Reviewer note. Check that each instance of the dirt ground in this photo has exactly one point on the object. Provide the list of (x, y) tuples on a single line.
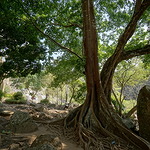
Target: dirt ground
[(43, 125), (43, 129)]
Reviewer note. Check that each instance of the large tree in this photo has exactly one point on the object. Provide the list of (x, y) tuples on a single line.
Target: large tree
[(95, 117), (95, 114)]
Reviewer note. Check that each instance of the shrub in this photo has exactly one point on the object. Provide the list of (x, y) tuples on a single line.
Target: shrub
[(1, 94), (18, 96), (12, 101), (44, 101)]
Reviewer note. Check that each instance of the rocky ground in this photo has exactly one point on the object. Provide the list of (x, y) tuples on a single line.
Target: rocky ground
[(26, 127)]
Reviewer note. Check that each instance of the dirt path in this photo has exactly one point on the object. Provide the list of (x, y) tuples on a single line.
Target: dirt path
[(43, 128)]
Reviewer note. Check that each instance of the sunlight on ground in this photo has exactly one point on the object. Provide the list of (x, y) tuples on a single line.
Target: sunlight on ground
[(70, 146), (32, 138)]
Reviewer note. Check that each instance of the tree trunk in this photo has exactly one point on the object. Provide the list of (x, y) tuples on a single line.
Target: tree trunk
[(95, 122)]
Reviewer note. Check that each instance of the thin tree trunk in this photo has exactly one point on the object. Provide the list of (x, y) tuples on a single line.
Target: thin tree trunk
[(73, 91), (57, 97), (61, 96), (66, 94), (131, 112)]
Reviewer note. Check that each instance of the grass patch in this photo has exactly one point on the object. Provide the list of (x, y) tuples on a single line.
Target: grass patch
[(129, 104)]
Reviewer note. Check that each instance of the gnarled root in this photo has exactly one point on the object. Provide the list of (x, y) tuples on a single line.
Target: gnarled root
[(100, 130)]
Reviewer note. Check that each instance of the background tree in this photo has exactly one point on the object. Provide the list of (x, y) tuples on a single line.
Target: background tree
[(128, 73), (32, 84)]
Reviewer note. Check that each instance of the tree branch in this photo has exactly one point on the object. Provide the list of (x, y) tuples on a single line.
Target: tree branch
[(69, 25), (125, 55), (54, 41), (46, 35), (130, 29), (111, 63)]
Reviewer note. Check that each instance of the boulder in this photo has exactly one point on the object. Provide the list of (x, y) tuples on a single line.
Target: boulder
[(143, 112), (48, 140), (21, 122)]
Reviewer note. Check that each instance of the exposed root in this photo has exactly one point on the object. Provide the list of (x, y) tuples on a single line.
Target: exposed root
[(86, 136), (95, 126), (91, 133)]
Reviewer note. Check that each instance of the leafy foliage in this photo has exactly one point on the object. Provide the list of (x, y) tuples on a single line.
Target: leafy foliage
[(80, 91), (146, 60), (129, 73), (66, 70), (20, 46), (32, 82)]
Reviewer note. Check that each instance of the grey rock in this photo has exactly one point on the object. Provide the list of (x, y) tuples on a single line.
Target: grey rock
[(21, 122), (143, 112), (47, 139)]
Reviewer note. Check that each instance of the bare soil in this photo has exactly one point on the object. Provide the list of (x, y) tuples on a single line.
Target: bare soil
[(42, 118)]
